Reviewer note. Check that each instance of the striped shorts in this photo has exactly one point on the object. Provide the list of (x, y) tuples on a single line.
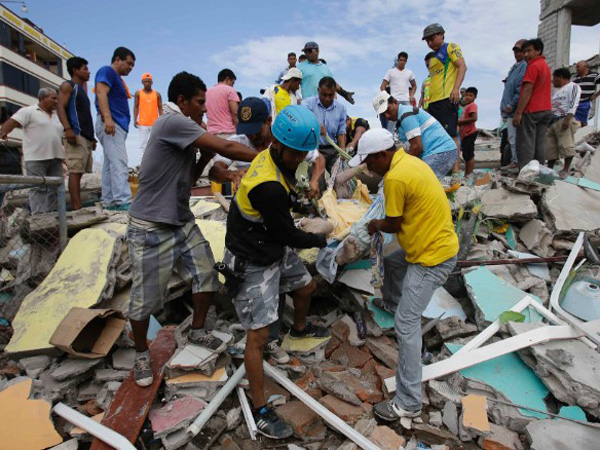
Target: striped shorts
[(155, 250)]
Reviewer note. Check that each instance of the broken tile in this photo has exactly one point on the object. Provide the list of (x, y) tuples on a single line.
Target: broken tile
[(82, 276), (359, 279), (349, 356), (383, 319), (501, 373), (175, 415), (474, 414), (197, 384), (558, 434), (450, 417), (504, 204), (491, 296), (350, 388), (25, 423), (192, 357)]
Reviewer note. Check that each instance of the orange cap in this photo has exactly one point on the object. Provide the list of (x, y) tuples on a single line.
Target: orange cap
[(146, 76)]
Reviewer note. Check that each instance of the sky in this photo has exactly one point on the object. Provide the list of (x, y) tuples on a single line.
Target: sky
[(358, 38)]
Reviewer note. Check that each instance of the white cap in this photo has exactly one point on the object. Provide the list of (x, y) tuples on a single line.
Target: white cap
[(380, 102), (292, 73), (374, 140)]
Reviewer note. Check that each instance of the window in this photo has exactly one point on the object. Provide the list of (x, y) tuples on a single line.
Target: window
[(30, 49), (7, 109), (17, 79)]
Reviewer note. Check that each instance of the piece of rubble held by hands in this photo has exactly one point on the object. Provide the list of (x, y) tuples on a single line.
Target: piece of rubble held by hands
[(349, 252), (317, 226)]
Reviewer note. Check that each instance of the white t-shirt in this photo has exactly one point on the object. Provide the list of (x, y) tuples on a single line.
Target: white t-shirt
[(399, 83), (310, 158), (565, 100), (42, 134)]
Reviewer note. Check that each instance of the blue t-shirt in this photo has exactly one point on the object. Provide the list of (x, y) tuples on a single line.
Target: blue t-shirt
[(433, 136), (117, 96), (311, 75)]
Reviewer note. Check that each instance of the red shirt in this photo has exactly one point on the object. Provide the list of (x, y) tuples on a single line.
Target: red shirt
[(469, 128), (539, 74)]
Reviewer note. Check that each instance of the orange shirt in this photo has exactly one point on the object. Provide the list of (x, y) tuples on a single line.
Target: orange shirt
[(148, 111)]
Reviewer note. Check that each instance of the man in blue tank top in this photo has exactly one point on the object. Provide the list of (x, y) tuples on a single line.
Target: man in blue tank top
[(76, 117)]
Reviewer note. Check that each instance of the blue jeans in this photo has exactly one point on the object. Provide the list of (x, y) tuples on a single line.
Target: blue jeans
[(407, 289), (441, 163), (115, 171)]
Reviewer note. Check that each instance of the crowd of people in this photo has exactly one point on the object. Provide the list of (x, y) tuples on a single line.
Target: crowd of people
[(257, 143)]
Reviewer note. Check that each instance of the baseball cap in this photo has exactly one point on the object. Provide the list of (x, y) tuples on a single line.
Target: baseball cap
[(252, 112), (374, 140), (146, 76), (311, 45), (380, 102), (292, 73), (432, 29)]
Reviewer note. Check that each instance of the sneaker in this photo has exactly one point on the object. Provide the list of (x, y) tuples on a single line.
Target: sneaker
[(270, 425), (277, 353), (508, 167), (142, 372), (122, 207), (388, 411), (310, 331), (205, 339)]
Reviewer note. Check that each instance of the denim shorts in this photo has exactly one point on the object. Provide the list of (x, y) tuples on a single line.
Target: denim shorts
[(441, 163)]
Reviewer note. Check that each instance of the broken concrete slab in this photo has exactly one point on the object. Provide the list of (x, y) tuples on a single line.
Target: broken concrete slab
[(349, 356), (500, 438), (445, 305), (83, 275), (504, 204), (196, 384), (435, 418), (537, 237), (385, 350), (491, 296), (345, 329), (70, 368), (175, 415), (35, 365), (560, 434), (123, 358), (454, 328), (569, 368), (306, 424), (25, 423), (105, 375), (450, 417), (193, 357), (570, 208)]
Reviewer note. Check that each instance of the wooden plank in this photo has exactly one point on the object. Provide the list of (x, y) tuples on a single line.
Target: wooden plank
[(131, 404)]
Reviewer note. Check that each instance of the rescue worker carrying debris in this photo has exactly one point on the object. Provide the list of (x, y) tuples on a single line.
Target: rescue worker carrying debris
[(417, 210), (259, 241)]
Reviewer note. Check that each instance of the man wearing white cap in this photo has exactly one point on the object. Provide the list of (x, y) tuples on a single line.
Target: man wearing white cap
[(285, 94), (427, 138), (417, 210)]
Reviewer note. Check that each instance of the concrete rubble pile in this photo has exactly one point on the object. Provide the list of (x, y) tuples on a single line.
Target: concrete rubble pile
[(508, 401)]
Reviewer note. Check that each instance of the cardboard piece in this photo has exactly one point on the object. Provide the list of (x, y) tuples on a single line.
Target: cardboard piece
[(88, 333)]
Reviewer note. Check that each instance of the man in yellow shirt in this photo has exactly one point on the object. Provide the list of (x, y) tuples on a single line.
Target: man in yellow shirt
[(447, 70), (417, 210), (286, 93)]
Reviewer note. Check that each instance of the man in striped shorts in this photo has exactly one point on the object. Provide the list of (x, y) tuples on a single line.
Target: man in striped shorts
[(162, 233)]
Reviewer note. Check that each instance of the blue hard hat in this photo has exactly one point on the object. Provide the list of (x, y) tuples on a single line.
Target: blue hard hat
[(297, 127)]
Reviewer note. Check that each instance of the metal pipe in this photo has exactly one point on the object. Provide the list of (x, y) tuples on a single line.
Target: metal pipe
[(26, 179), (62, 216), (327, 415), (212, 407), (105, 434)]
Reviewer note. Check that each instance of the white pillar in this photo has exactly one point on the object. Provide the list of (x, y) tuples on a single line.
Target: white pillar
[(563, 38)]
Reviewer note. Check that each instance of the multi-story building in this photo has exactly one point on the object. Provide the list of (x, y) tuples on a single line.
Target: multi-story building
[(29, 61)]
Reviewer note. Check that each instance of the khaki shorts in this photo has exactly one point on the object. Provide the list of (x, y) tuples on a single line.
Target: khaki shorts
[(561, 143), (79, 156)]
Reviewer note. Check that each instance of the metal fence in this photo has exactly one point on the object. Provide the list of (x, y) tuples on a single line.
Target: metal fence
[(29, 243)]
